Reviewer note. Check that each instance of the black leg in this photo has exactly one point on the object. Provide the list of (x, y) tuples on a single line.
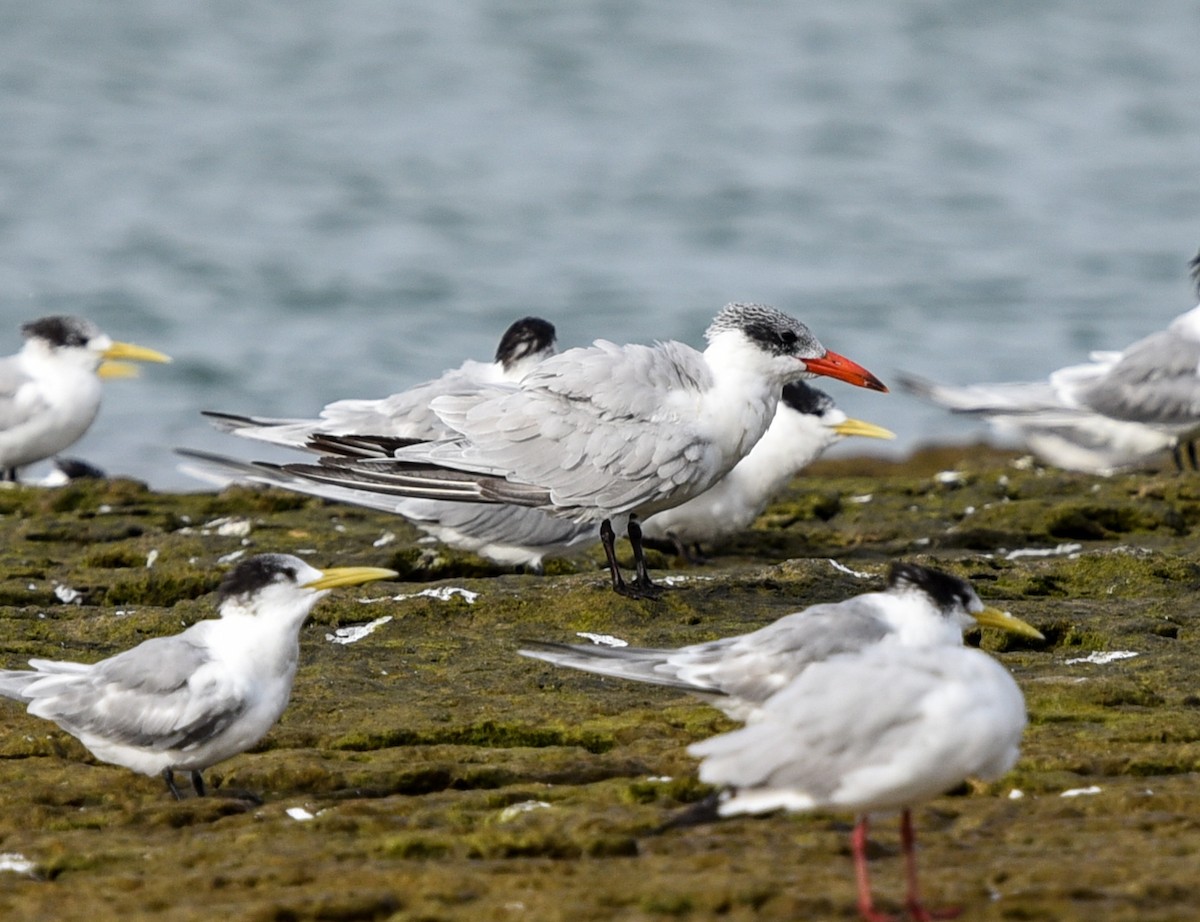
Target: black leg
[(198, 783), (1192, 455), (608, 539), (10, 475), (647, 588), (681, 548), (692, 555), (169, 777), (700, 813)]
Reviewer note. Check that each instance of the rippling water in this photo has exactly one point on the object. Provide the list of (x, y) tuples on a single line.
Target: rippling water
[(309, 201)]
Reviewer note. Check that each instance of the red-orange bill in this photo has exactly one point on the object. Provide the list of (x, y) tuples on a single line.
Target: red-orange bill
[(842, 368)]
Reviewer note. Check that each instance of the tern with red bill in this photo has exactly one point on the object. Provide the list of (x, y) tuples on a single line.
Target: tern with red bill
[(604, 434)]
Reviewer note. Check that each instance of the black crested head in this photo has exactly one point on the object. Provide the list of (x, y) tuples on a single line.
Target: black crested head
[(946, 591), (527, 336), (773, 330), (803, 398), (61, 330), (256, 573)]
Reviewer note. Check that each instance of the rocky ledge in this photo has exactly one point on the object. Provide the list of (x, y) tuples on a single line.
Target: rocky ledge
[(424, 771)]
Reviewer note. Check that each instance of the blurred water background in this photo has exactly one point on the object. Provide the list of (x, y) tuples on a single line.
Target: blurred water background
[(313, 200)]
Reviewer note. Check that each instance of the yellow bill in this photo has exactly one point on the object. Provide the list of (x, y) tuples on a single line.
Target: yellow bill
[(867, 430), (134, 353), (112, 367), (349, 576), (994, 617), (117, 370)]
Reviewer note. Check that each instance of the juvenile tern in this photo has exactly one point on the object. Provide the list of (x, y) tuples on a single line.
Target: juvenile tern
[(921, 607), (188, 701), (806, 423), (607, 433), (1116, 411), (50, 390)]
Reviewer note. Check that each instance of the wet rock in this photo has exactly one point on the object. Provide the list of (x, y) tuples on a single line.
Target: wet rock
[(412, 750)]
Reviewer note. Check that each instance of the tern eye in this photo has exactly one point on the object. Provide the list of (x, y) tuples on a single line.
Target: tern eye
[(788, 338)]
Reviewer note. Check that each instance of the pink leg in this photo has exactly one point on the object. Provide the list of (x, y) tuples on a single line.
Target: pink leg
[(866, 906), (916, 909)]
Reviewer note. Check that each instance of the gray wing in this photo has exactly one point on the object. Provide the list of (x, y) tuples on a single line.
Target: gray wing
[(155, 696), (221, 471), (640, 664), (406, 414), (477, 526), (882, 728), (505, 533), (14, 412), (753, 667), (290, 433), (1055, 419), (984, 399), (596, 427), (749, 667), (1156, 380)]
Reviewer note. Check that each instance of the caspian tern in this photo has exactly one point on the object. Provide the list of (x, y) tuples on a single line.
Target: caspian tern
[(606, 433)]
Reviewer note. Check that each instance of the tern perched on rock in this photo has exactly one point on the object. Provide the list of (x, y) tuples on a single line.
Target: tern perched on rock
[(1117, 411), (882, 729), (871, 704), (605, 434), (508, 535), (405, 414), (920, 606), (806, 423), (50, 390), (188, 701)]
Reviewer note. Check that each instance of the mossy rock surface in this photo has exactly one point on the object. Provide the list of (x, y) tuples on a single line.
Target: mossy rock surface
[(448, 779)]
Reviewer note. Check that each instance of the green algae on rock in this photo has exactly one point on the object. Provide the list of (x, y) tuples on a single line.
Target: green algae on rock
[(433, 774)]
